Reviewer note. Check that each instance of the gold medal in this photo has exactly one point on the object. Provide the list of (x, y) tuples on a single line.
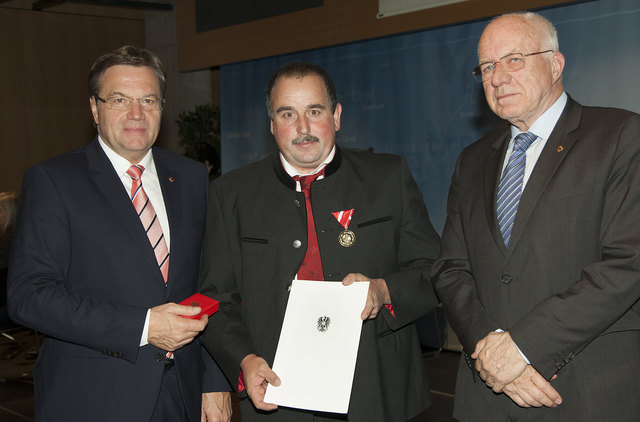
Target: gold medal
[(347, 238)]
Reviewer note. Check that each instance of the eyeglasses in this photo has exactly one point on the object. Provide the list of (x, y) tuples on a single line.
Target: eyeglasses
[(510, 63), (122, 103)]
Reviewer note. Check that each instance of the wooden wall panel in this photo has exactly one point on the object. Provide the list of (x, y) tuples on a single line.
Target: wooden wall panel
[(45, 59), (336, 22)]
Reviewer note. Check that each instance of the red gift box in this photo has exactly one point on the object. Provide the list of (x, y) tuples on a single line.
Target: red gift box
[(208, 305)]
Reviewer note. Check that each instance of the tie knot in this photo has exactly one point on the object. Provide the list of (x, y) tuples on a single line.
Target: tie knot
[(524, 140), (305, 181), (135, 171)]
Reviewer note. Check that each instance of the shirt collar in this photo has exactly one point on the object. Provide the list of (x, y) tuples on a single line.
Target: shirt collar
[(543, 126), (121, 164), (291, 171)]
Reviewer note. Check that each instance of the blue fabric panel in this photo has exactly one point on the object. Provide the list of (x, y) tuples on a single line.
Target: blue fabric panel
[(413, 94)]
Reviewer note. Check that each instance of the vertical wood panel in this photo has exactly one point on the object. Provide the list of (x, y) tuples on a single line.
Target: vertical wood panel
[(44, 64)]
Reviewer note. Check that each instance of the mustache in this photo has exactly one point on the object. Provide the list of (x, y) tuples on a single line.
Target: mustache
[(305, 138)]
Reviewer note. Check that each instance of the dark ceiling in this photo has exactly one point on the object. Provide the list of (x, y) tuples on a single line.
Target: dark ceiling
[(139, 4)]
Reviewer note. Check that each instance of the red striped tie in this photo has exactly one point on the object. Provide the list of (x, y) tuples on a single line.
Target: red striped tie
[(149, 219)]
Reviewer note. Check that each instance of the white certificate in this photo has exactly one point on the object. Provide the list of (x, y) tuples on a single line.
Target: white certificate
[(318, 346)]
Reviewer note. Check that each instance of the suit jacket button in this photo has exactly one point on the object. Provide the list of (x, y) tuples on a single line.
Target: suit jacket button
[(297, 203), (506, 279), (159, 357), (297, 244)]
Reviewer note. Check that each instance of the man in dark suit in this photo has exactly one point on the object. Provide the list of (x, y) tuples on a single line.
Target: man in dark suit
[(539, 271), (101, 255), (256, 244)]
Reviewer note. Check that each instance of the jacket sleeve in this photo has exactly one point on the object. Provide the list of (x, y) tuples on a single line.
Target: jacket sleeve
[(453, 278), (213, 378), (604, 298), (418, 244), (225, 337), (38, 293)]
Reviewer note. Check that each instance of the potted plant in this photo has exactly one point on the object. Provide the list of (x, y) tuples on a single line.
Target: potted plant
[(199, 132)]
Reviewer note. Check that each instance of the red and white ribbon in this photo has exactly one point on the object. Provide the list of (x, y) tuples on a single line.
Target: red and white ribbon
[(344, 217)]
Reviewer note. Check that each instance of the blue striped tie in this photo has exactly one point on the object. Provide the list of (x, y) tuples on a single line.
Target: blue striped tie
[(510, 187)]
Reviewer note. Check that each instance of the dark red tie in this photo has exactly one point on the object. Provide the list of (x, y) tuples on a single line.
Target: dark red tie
[(311, 268)]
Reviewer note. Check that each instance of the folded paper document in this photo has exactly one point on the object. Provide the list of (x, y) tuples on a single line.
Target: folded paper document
[(318, 346)]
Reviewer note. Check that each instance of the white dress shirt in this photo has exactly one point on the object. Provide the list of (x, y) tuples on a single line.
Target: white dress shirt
[(542, 128), (151, 185), (291, 171)]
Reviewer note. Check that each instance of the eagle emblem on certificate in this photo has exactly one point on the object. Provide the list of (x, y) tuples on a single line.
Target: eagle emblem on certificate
[(346, 238), (323, 323)]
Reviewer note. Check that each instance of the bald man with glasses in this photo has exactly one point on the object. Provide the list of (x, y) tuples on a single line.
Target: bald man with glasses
[(539, 271)]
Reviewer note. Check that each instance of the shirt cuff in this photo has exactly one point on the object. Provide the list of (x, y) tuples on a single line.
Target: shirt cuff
[(499, 330), (144, 340)]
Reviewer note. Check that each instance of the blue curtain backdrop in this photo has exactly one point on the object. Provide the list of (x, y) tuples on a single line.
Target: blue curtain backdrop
[(413, 94)]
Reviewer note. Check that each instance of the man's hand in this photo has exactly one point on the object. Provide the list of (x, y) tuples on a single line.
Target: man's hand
[(216, 407), (498, 360), (531, 389), (377, 296), (169, 331), (257, 375)]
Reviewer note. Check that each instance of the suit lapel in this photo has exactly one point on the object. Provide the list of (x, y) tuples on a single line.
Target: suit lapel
[(170, 185), (108, 183), (555, 150), (491, 177)]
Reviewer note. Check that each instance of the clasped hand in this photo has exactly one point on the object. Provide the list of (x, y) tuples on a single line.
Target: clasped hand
[(169, 331), (504, 370), (216, 407), (377, 296)]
